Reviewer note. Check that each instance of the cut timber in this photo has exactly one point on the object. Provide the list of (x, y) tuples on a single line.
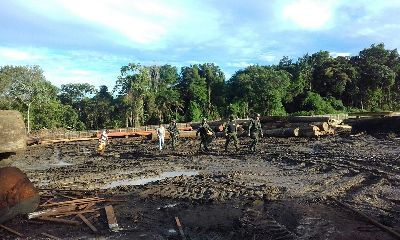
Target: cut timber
[(111, 219), (17, 194), (312, 131), (293, 119), (374, 124), (12, 131), (282, 132), (323, 126)]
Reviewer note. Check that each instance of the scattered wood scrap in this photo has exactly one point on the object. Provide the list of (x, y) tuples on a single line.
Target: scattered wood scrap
[(72, 210), (112, 220), (11, 230)]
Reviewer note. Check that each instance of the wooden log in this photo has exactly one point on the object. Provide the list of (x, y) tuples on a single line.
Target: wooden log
[(375, 124), (17, 194), (12, 131), (293, 119), (282, 132), (312, 131)]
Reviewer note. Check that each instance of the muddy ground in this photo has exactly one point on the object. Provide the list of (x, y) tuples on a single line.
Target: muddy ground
[(284, 191)]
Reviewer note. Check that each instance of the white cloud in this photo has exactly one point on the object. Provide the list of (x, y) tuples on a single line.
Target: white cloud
[(267, 57), (308, 14), (12, 55)]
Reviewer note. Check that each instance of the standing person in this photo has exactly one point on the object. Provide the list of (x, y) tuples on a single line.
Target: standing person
[(255, 132), (161, 136), (103, 141), (206, 134), (231, 133), (174, 132)]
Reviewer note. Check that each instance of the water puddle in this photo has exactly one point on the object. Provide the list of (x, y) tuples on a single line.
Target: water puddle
[(60, 163), (143, 181)]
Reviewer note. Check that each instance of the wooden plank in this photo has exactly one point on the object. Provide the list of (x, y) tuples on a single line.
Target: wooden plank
[(111, 219), (52, 212), (50, 236), (78, 212), (87, 222), (76, 201), (178, 223), (11, 230), (59, 220)]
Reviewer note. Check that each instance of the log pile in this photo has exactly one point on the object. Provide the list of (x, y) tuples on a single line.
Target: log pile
[(300, 126)]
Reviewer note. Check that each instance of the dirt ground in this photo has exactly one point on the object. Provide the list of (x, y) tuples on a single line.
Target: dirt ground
[(284, 191)]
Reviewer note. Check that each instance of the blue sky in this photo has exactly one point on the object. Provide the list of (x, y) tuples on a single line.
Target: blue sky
[(87, 41)]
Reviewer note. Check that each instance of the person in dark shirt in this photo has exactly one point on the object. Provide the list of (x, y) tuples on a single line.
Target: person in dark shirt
[(206, 134), (255, 132), (231, 133), (173, 132)]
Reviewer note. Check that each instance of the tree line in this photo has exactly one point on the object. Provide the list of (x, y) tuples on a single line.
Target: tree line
[(313, 84)]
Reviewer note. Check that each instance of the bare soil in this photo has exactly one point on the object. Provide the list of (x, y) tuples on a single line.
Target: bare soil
[(283, 191)]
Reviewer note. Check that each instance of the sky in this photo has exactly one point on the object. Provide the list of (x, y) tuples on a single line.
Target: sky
[(88, 41)]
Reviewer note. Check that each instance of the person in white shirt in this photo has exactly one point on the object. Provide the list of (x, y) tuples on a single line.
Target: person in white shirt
[(160, 135)]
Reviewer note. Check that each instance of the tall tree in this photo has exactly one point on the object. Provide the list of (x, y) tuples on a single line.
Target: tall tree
[(26, 86), (215, 83)]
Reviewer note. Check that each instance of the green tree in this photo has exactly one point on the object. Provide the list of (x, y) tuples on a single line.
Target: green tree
[(25, 86), (193, 89), (263, 89)]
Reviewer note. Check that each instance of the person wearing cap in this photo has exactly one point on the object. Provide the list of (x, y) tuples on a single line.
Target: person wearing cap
[(206, 134), (174, 132), (231, 133), (255, 131), (103, 141)]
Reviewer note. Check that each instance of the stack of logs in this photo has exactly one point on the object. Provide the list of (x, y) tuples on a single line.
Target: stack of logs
[(301, 126)]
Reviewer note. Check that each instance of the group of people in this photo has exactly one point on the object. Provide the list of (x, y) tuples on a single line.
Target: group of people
[(206, 134), (231, 129)]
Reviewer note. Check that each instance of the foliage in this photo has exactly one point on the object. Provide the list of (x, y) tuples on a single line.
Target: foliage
[(315, 83)]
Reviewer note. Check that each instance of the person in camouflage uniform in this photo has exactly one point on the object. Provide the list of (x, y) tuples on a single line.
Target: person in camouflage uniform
[(255, 132), (206, 134), (231, 133), (173, 132)]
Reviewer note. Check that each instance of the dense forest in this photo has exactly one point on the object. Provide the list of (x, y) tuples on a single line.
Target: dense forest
[(314, 84)]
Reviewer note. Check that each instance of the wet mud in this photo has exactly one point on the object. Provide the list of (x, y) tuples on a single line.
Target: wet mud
[(288, 189)]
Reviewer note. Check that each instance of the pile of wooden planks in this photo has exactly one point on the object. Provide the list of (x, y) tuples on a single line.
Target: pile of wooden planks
[(76, 211)]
